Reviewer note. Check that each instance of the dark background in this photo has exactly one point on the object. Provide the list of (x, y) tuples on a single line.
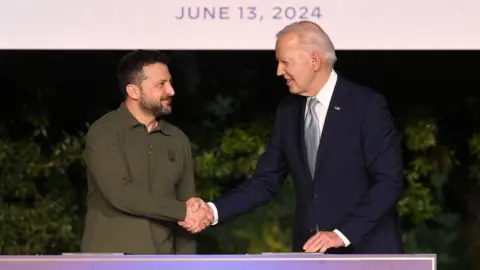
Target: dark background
[(72, 88)]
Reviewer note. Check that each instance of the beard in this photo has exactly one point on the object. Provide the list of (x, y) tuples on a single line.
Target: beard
[(155, 108)]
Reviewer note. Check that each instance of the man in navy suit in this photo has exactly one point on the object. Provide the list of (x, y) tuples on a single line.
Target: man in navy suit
[(338, 141)]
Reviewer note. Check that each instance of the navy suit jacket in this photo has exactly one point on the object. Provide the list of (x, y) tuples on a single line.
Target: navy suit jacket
[(358, 178)]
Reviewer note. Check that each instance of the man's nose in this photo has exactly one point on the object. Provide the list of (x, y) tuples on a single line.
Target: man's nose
[(280, 71), (170, 90)]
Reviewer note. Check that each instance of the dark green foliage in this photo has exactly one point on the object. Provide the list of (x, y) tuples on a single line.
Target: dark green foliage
[(42, 204)]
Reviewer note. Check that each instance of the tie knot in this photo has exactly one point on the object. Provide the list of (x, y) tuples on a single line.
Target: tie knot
[(312, 103)]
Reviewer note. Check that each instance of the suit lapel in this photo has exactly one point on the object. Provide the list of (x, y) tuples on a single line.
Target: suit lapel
[(332, 122)]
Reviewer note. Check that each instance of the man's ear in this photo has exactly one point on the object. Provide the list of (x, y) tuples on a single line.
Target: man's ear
[(316, 60), (133, 91)]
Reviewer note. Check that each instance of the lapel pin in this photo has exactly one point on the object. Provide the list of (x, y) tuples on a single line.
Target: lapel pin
[(337, 108)]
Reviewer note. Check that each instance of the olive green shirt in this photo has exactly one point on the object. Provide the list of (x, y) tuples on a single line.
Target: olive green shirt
[(138, 183)]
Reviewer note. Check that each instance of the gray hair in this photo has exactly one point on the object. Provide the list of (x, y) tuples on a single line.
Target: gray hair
[(311, 34)]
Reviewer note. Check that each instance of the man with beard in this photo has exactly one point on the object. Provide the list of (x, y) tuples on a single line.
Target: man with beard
[(139, 168)]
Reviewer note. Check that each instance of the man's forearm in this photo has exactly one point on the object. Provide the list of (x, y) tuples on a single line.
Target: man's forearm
[(267, 181), (130, 200)]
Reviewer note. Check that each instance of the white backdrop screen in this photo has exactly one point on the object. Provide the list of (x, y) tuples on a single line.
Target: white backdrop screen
[(236, 24)]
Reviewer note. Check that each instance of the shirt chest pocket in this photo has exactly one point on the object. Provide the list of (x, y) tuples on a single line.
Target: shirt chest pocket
[(167, 169)]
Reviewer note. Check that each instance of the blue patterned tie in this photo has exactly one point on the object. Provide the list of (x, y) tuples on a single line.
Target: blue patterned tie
[(312, 133)]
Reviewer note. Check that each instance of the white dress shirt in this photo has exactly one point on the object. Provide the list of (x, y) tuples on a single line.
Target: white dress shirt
[(324, 96)]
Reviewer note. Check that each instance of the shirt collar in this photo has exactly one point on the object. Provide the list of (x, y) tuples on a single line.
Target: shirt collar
[(130, 121), (325, 94)]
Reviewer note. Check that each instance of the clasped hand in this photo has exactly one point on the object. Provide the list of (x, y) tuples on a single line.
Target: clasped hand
[(199, 216)]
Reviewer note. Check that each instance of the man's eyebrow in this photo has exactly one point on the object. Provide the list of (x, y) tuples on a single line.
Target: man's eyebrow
[(163, 80)]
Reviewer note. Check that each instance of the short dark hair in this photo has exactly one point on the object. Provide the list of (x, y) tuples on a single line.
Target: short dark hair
[(130, 68)]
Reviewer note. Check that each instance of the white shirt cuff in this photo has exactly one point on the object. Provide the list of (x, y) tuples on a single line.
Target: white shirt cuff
[(346, 243), (215, 213)]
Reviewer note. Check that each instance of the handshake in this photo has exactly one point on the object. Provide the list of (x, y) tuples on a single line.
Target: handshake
[(199, 215)]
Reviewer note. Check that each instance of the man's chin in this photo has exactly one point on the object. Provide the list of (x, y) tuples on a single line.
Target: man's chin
[(159, 112), (297, 91), (294, 90), (164, 112)]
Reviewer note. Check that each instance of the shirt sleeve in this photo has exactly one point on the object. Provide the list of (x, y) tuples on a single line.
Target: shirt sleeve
[(185, 242)]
